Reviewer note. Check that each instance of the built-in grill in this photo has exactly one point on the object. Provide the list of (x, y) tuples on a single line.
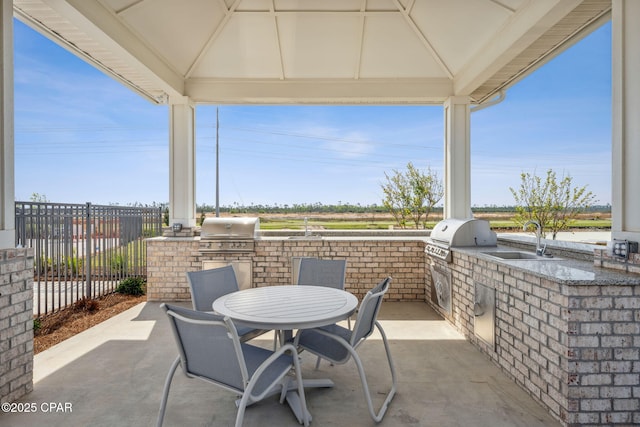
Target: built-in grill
[(229, 234), (453, 232)]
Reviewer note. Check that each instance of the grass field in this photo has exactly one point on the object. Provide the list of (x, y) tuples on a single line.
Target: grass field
[(328, 221)]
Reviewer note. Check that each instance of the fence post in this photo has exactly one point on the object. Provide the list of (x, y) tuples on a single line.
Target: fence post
[(87, 254)]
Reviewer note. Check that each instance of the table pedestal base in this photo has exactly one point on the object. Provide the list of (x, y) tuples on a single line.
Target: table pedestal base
[(289, 391), (293, 398)]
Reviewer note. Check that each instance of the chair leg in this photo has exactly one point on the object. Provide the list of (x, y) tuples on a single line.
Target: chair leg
[(303, 399), (318, 363), (165, 391), (377, 417), (241, 407)]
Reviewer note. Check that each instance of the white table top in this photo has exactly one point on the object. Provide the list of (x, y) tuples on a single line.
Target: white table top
[(287, 307)]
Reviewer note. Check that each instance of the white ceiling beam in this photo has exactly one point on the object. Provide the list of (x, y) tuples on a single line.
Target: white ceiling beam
[(410, 5), (523, 28), (502, 5), (218, 30), (363, 8), (320, 12), (105, 29), (276, 30), (423, 39), (312, 91), (128, 7)]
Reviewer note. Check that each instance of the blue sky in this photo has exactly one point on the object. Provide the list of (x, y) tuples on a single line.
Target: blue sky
[(83, 137)]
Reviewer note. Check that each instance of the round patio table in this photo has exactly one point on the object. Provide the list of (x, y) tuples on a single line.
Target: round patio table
[(287, 307)]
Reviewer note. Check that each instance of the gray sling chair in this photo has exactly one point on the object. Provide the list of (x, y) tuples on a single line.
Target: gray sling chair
[(209, 349), (338, 344), (208, 285), (322, 272)]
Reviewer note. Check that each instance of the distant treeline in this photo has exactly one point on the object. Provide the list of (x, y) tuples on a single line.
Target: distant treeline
[(295, 208), (348, 208)]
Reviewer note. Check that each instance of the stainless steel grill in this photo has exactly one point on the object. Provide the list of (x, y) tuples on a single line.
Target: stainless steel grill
[(453, 232), (229, 234)]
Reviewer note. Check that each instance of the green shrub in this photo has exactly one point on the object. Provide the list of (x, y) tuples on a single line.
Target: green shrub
[(117, 263), (132, 286), (37, 325)]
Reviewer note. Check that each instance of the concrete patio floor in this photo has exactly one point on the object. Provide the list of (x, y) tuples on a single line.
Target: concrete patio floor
[(113, 374)]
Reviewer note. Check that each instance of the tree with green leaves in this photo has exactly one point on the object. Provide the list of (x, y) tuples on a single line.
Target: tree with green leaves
[(38, 198), (551, 202), (411, 195)]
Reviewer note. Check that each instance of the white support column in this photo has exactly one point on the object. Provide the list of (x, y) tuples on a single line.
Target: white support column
[(7, 176), (625, 180), (182, 164), (457, 153)]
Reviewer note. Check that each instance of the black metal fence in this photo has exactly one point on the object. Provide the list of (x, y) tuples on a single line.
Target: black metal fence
[(83, 251)]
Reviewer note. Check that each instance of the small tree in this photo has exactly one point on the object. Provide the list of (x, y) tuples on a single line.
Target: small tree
[(551, 202), (38, 198), (411, 194)]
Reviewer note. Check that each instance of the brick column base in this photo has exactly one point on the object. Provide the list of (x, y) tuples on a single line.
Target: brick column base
[(16, 323)]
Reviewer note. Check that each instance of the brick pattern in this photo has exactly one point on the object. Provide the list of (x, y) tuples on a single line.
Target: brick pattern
[(574, 348), (604, 358), (369, 261), (16, 323), (168, 259)]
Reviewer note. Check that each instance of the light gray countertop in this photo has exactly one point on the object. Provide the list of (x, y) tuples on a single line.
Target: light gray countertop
[(561, 269)]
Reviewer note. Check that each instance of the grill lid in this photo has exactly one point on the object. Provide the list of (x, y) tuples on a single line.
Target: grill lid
[(463, 232), (229, 228)]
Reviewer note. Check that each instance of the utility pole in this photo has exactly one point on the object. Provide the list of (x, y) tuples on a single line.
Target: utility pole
[(217, 165)]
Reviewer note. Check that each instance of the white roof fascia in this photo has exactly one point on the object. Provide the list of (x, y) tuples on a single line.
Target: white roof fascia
[(540, 15), (99, 23)]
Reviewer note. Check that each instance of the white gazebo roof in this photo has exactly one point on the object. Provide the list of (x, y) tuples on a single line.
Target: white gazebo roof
[(305, 52)]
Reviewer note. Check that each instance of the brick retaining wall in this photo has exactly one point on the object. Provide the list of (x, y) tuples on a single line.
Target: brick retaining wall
[(16, 323), (368, 262)]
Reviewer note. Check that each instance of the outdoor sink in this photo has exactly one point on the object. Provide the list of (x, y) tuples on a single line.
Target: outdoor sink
[(518, 255)]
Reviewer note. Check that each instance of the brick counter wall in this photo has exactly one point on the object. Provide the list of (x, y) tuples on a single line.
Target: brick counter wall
[(16, 323), (368, 262), (574, 348)]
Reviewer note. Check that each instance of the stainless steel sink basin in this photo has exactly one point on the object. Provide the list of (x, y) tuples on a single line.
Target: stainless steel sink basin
[(518, 255)]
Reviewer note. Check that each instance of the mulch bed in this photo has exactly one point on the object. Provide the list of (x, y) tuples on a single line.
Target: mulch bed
[(84, 314)]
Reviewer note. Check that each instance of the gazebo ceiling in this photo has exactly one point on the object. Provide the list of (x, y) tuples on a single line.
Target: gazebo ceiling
[(325, 51)]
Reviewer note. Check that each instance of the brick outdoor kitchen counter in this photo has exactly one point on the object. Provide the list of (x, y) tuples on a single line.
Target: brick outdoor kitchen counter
[(566, 329)]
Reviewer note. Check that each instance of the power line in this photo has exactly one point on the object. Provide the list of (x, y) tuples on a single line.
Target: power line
[(102, 129), (323, 137)]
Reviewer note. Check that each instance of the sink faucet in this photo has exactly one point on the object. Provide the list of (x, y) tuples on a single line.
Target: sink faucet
[(306, 227), (539, 249)]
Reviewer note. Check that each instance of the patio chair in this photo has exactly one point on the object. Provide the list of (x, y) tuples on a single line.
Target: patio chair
[(323, 272), (338, 344), (208, 285), (209, 349)]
